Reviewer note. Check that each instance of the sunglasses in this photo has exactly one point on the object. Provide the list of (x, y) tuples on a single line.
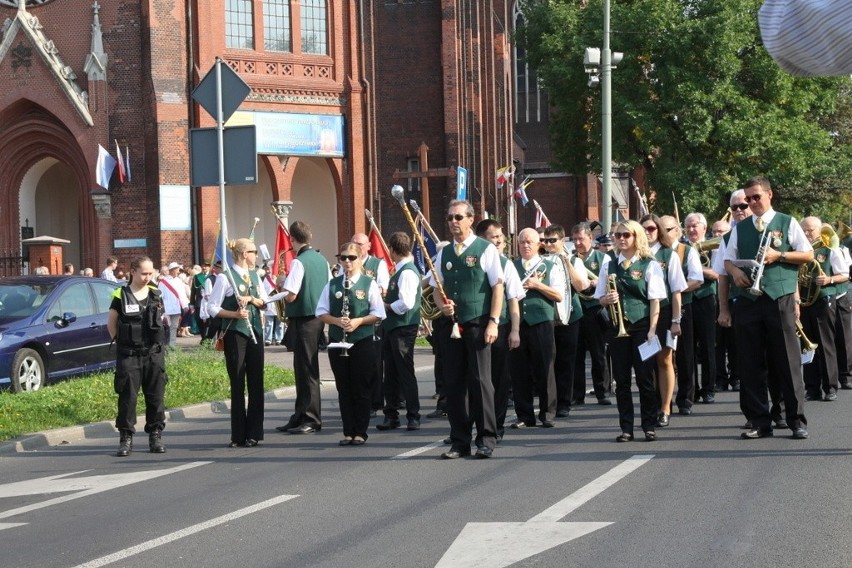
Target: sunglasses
[(349, 257), (756, 197), (456, 217), (739, 207), (624, 235), (650, 229), (549, 241)]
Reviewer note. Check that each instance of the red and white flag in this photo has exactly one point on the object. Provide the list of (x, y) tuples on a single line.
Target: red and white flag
[(122, 176), (104, 168), (379, 249)]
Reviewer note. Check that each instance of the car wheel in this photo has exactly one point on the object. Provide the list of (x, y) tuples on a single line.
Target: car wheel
[(27, 371)]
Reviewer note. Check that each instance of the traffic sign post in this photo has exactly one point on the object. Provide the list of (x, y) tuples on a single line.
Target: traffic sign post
[(461, 183)]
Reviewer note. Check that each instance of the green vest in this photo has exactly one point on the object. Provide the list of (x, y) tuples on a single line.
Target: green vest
[(504, 308), (535, 307), (465, 282), (412, 317), (734, 291), (359, 306), (779, 278), (371, 267), (632, 289), (664, 257), (593, 262), (230, 303), (313, 282), (823, 257)]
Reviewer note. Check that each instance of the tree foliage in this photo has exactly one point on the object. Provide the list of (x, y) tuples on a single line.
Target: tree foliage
[(697, 101)]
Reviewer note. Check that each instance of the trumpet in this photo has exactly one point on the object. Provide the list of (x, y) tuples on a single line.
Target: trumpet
[(757, 272), (616, 314), (807, 344)]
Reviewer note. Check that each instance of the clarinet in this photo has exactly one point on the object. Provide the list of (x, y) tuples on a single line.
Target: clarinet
[(347, 285)]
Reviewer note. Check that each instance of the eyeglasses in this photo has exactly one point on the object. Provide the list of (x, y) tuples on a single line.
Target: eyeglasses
[(739, 207), (456, 217), (756, 197), (650, 229), (624, 235), (252, 251), (549, 240), (349, 257)]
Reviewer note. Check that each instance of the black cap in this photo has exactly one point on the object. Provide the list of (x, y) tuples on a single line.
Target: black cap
[(604, 240)]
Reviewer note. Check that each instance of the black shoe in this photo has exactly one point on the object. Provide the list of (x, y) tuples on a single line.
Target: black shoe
[(358, 441), (303, 429), (650, 436), (521, 424), (684, 410), (236, 444), (483, 453), (455, 454), (721, 387), (708, 398), (829, 396), (748, 425), (663, 420), (438, 413), (813, 396), (756, 433), (155, 443), (800, 433), (846, 386), (388, 424), (344, 442), (287, 427), (547, 424), (125, 444), (448, 441), (251, 442), (604, 401), (735, 385), (564, 413), (781, 423), (436, 396), (413, 424), (578, 402), (624, 437)]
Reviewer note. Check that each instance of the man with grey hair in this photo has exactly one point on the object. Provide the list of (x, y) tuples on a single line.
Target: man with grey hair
[(704, 309)]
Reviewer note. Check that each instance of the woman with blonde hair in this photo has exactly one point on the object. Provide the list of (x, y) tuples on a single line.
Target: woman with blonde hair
[(637, 290), (242, 324), (350, 304)]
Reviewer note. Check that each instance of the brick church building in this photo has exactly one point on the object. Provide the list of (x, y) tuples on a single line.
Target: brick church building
[(348, 98)]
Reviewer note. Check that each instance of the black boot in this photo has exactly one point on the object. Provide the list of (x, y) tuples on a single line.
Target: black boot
[(155, 443), (125, 444)]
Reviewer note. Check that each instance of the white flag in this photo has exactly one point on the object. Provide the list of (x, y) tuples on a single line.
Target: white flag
[(105, 167)]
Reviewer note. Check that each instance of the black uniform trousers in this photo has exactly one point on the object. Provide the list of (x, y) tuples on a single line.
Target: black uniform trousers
[(625, 357), (441, 328), (398, 355), (704, 329), (148, 372), (468, 386), (843, 338), (244, 361), (769, 357), (727, 373), (306, 331), (818, 321), (591, 338), (532, 373), (685, 360), (352, 374), (500, 377), (376, 382), (565, 362)]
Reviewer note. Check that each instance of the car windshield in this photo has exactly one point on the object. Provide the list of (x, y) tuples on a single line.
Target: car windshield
[(21, 300)]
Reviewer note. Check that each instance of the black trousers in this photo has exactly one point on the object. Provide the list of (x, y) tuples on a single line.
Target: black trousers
[(843, 337), (398, 355), (593, 339), (500, 377), (441, 328), (704, 328), (306, 332), (532, 372), (147, 372), (244, 361), (468, 386), (625, 357), (726, 354), (685, 360), (565, 362), (771, 357), (818, 321), (352, 378), (376, 382)]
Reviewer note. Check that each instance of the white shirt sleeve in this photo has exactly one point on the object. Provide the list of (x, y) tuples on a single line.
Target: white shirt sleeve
[(408, 283), (693, 265), (808, 37), (796, 237), (490, 263), (513, 289), (677, 281), (323, 303), (382, 275), (838, 263), (580, 269), (221, 289), (293, 282), (656, 283), (719, 260), (601, 288), (377, 304)]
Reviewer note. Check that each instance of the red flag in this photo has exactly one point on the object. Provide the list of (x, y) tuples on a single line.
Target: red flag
[(379, 249), (283, 250), (122, 176), (541, 219)]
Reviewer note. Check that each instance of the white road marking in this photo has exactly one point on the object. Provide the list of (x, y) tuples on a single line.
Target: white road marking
[(417, 451), (145, 546)]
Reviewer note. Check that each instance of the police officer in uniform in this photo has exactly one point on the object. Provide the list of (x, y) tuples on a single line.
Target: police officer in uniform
[(135, 324)]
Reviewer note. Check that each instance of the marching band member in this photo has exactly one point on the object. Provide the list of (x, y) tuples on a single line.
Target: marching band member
[(726, 374), (660, 242), (639, 287), (843, 331), (766, 322), (704, 310)]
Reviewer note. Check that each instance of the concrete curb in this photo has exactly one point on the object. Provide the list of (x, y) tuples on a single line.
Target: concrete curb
[(63, 436)]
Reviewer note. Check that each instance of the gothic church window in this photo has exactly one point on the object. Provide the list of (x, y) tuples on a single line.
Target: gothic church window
[(528, 95)]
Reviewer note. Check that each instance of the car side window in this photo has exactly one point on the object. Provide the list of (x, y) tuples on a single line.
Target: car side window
[(103, 296), (75, 299)]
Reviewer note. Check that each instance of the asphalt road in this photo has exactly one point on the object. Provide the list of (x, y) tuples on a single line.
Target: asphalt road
[(567, 496)]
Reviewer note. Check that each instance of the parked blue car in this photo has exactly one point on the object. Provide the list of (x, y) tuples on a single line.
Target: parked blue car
[(53, 327)]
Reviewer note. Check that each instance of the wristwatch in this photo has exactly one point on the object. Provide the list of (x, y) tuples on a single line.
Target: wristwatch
[(676, 320), (495, 320)]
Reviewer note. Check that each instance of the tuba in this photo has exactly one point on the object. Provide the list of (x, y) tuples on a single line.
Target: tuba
[(616, 314), (704, 247), (428, 309)]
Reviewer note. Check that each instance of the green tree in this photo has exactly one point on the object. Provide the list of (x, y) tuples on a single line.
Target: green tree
[(697, 101)]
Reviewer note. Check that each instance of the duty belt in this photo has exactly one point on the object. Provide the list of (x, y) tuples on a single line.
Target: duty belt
[(140, 352)]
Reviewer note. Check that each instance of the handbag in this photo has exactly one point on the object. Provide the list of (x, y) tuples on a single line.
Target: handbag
[(220, 342)]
